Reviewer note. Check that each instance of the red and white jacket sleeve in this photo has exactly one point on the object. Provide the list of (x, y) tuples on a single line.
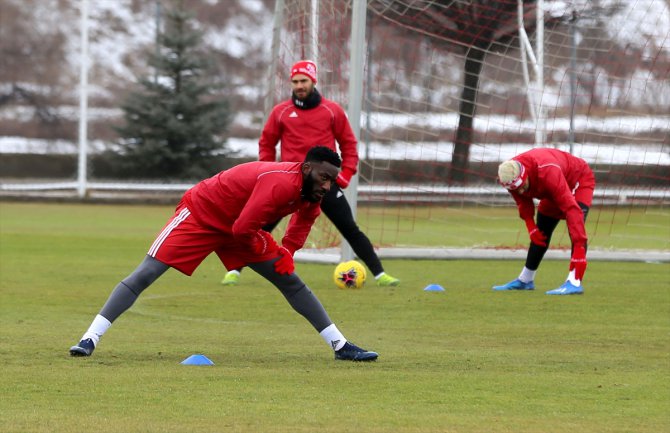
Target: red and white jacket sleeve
[(562, 196), (258, 211), (267, 145), (299, 226), (347, 143), (525, 205)]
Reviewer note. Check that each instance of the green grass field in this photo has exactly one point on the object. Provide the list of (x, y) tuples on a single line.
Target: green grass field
[(464, 360)]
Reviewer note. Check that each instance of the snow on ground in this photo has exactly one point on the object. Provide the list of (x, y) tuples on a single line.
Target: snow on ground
[(593, 153), (616, 153)]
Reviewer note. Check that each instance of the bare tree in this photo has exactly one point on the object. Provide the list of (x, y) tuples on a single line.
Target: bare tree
[(471, 26), (33, 54)]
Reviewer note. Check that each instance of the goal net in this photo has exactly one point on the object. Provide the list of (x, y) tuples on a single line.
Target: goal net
[(450, 88), (591, 78)]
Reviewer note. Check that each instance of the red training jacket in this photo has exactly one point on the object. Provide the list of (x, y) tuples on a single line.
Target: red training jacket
[(243, 199), (553, 176), (300, 130)]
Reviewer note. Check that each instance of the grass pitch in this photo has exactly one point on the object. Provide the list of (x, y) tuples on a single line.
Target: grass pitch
[(464, 360)]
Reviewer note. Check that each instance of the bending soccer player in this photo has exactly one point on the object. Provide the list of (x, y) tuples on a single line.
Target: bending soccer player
[(564, 186), (224, 214), (306, 120)]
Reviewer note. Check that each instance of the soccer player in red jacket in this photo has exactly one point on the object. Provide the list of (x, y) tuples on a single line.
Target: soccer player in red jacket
[(308, 119), (564, 186), (224, 215)]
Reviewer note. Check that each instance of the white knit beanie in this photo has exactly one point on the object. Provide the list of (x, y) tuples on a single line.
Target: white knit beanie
[(511, 174)]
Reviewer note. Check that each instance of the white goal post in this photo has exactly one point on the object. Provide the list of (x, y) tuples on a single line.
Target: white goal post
[(585, 77), (534, 88)]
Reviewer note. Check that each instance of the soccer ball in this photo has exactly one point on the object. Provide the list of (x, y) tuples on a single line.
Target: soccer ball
[(349, 275)]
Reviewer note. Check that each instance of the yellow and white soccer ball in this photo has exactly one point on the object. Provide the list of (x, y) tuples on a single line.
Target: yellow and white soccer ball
[(349, 275)]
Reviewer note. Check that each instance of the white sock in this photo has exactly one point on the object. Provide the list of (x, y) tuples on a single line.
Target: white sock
[(333, 337), (573, 280), (527, 275), (234, 271), (98, 327), (379, 276)]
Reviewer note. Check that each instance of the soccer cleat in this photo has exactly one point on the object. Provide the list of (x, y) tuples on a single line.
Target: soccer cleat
[(515, 285), (232, 278), (351, 352), (386, 280), (84, 348), (567, 289)]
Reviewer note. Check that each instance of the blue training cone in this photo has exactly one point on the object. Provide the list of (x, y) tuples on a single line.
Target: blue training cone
[(197, 360), (434, 288)]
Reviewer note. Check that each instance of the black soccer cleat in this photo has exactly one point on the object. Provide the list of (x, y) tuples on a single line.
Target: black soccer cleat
[(84, 348), (351, 352)]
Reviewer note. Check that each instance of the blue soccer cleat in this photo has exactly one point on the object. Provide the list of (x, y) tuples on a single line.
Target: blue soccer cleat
[(515, 285), (351, 352), (567, 289), (84, 348)]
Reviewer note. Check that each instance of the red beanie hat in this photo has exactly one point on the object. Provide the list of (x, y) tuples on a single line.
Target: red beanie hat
[(305, 67)]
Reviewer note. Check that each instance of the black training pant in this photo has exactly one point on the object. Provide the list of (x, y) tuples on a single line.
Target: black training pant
[(336, 207), (546, 225)]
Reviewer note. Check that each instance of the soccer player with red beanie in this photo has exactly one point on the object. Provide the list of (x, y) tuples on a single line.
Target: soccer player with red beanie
[(308, 119), (564, 186), (225, 215)]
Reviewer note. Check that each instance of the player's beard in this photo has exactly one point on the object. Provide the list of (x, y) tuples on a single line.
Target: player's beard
[(313, 99), (307, 191)]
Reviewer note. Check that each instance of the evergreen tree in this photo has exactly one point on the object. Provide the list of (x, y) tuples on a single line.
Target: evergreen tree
[(174, 125)]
